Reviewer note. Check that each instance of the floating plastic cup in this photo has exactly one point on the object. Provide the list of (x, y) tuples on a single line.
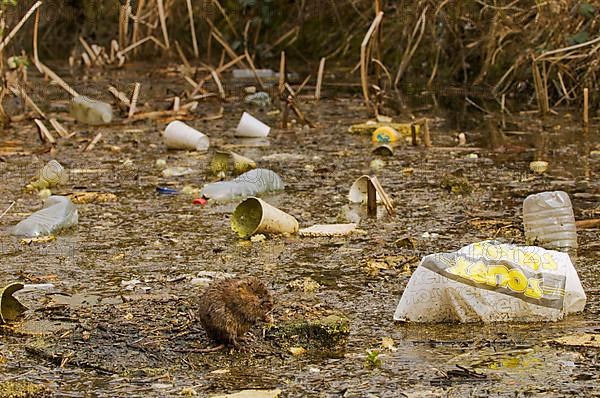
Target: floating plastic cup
[(249, 126), (359, 190), (549, 221), (223, 161), (179, 135), (254, 216), (87, 110), (383, 149)]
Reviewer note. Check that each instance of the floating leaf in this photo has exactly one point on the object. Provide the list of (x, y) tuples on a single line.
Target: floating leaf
[(579, 38), (10, 307)]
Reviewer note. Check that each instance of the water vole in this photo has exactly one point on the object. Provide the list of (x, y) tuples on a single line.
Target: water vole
[(229, 307)]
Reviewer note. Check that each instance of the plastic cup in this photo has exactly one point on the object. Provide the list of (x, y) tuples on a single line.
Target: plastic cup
[(254, 216), (383, 149), (221, 162), (249, 126), (179, 135), (359, 190)]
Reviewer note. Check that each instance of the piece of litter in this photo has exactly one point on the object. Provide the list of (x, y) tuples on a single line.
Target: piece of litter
[(328, 230)]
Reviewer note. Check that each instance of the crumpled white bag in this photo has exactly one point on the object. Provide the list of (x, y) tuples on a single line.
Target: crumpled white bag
[(492, 282)]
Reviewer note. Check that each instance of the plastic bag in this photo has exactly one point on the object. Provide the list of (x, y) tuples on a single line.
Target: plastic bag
[(492, 282), (253, 182), (58, 213)]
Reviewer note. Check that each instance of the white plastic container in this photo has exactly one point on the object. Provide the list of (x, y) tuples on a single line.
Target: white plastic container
[(58, 213), (549, 221), (52, 174), (87, 110), (251, 183), (179, 135), (249, 126), (254, 216)]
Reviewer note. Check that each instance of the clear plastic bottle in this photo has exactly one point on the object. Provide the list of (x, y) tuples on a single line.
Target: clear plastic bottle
[(549, 221), (58, 213), (52, 174), (248, 184), (86, 110)]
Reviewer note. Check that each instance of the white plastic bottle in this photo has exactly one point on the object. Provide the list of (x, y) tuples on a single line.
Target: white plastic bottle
[(58, 213), (549, 221), (89, 111), (251, 183)]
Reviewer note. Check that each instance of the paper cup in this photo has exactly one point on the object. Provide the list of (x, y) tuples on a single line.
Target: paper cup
[(249, 126), (225, 161), (254, 216), (358, 190), (179, 135)]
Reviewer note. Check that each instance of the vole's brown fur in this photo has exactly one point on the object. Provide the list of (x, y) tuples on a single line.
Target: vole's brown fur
[(229, 307)]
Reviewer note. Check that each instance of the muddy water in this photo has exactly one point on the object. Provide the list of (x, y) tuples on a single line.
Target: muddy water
[(90, 336)]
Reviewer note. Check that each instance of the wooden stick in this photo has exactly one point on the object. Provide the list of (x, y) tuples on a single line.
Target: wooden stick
[(93, 143), (59, 128), (371, 199), (163, 22), (192, 28), (426, 135), (134, 98), (586, 120), (320, 79), (45, 135), (413, 134), (282, 76), (18, 26), (364, 65)]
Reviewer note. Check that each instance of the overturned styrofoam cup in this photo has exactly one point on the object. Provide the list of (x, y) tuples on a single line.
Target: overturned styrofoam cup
[(359, 190), (254, 216), (249, 126), (223, 161), (179, 135)]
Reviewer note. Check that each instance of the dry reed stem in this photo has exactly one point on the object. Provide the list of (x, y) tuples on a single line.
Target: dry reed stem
[(186, 64), (227, 48), (413, 44), (163, 22), (93, 143), (20, 92), (282, 73), (45, 135), (226, 17), (176, 104), (320, 79), (586, 120), (215, 77), (119, 96), (426, 134), (54, 77), (302, 85), (122, 23), (387, 202), (86, 60), (19, 25), (132, 46), (62, 132), (8, 209), (192, 28), (364, 67), (36, 24), (88, 49), (136, 21), (253, 68), (133, 101), (539, 90)]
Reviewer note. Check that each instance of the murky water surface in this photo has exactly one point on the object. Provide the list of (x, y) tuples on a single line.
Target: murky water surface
[(90, 336)]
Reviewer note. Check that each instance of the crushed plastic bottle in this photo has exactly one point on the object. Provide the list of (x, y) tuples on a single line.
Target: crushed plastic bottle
[(89, 111), (549, 221), (58, 213), (260, 99), (248, 184), (52, 174)]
